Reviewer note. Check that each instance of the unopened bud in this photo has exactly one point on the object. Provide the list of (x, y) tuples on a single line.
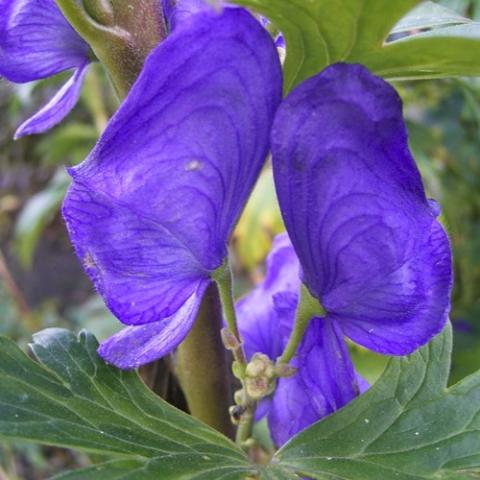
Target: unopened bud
[(260, 365), (238, 370), (260, 376), (236, 412), (284, 370), (259, 387), (239, 397), (229, 340)]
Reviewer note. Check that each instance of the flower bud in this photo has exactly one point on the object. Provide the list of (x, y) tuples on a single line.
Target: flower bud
[(229, 340), (236, 412), (284, 370), (238, 370), (260, 376), (239, 397)]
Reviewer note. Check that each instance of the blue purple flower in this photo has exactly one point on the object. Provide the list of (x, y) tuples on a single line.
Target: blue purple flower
[(370, 246), (325, 379), (151, 209), (37, 42)]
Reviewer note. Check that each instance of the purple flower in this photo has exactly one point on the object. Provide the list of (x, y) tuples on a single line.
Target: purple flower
[(325, 380), (151, 209), (178, 12), (37, 42), (371, 249)]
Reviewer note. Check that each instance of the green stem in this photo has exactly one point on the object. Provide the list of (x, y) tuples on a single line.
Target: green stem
[(120, 45), (100, 10), (308, 307), (245, 425), (223, 278), (203, 369)]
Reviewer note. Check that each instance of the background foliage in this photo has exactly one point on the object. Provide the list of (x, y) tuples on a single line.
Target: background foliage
[(41, 282)]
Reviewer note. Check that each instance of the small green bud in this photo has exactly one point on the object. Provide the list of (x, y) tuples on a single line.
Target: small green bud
[(284, 370), (259, 387), (260, 376), (236, 412), (238, 370), (229, 340), (239, 397), (260, 365)]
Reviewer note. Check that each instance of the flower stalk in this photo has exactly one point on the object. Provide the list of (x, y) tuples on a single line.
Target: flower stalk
[(233, 342), (308, 308), (113, 32)]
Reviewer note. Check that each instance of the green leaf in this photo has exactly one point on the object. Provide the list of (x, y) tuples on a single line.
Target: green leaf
[(408, 426), (35, 215), (183, 466), (71, 398), (275, 472), (322, 32), (445, 52), (113, 470), (428, 15)]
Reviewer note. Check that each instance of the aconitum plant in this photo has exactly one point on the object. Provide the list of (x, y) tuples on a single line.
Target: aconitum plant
[(38, 42), (205, 98)]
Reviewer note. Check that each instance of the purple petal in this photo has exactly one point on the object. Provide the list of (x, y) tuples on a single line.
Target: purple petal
[(179, 12), (263, 408), (280, 41), (138, 345), (57, 108), (381, 320), (266, 315), (325, 381), (36, 41), (142, 270), (356, 212), (154, 204)]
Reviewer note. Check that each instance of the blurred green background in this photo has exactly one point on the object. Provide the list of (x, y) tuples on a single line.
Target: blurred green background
[(42, 283)]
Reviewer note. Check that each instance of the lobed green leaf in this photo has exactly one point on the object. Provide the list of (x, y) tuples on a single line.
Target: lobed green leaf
[(408, 426), (73, 399), (322, 32)]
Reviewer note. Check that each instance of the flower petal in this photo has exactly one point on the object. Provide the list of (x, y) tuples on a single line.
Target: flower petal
[(325, 381), (141, 269), (265, 316), (57, 108), (178, 12), (155, 202), (138, 345), (355, 209), (36, 41), (421, 287)]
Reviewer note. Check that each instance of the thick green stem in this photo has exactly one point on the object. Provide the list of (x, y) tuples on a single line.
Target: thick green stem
[(308, 307), (121, 34), (203, 369)]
